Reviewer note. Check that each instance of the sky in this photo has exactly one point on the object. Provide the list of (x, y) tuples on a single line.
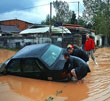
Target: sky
[(17, 9)]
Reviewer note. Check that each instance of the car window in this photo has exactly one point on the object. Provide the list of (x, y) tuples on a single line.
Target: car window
[(52, 53), (29, 65), (40, 65), (14, 66)]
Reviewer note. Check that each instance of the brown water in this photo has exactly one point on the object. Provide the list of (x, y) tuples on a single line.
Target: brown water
[(99, 86), (96, 86), (5, 54)]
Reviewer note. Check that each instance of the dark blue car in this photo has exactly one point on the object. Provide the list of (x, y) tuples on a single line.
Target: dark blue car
[(43, 61)]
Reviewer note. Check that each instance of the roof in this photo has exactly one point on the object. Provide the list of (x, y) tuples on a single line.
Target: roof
[(36, 51), (9, 29), (33, 51), (75, 27), (37, 26), (45, 30), (16, 19)]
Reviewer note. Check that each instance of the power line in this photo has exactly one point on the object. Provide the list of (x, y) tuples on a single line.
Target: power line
[(73, 2), (34, 6)]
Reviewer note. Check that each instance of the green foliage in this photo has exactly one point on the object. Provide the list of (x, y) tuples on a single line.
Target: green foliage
[(46, 22), (97, 12), (11, 49), (81, 22), (73, 19), (63, 14)]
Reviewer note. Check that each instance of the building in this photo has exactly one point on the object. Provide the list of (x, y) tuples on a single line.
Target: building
[(33, 35), (16, 22), (15, 42), (74, 28), (43, 35), (6, 30)]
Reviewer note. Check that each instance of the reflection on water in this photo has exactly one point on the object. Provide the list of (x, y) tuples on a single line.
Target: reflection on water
[(39, 90), (95, 87)]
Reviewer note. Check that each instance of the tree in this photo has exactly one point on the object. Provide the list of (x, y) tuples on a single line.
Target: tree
[(46, 21), (73, 19), (81, 22), (97, 12), (63, 14)]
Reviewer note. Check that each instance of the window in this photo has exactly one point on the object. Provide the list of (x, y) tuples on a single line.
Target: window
[(52, 53), (40, 65), (14, 66), (29, 65)]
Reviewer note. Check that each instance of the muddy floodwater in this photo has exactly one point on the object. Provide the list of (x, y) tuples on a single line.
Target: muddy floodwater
[(5, 54), (96, 86)]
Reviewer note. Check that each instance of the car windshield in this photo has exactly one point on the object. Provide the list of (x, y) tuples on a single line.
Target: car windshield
[(52, 53)]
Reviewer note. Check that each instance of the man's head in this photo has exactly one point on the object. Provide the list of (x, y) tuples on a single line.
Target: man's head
[(69, 45), (87, 36), (66, 55), (70, 48)]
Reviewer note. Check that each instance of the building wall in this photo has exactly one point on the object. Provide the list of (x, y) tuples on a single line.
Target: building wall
[(98, 40), (19, 42), (15, 22)]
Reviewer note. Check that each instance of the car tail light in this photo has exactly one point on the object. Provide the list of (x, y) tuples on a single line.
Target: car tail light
[(63, 75)]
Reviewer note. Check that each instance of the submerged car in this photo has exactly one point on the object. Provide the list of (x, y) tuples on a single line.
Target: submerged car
[(43, 61)]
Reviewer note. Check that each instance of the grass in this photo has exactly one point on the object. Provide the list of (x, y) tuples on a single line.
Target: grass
[(11, 49)]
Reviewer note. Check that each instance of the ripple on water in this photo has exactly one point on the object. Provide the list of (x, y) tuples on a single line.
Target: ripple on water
[(99, 87)]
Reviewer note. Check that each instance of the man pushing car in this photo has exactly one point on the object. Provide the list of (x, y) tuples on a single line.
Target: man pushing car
[(75, 67)]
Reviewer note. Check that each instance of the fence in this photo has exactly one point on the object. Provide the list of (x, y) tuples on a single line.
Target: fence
[(19, 42)]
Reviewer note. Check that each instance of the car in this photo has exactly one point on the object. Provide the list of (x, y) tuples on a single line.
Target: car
[(42, 61)]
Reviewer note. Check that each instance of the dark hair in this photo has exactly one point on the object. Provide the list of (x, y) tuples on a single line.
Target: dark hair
[(76, 46), (66, 54), (69, 48)]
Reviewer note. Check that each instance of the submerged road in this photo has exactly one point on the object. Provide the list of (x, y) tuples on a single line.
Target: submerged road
[(96, 86)]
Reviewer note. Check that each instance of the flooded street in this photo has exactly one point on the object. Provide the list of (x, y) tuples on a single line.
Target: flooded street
[(5, 54), (99, 86), (96, 86)]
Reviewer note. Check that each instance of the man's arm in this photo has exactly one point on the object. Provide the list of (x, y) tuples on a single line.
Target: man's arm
[(93, 44), (82, 54)]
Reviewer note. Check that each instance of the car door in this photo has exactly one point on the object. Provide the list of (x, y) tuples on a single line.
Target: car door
[(14, 67), (30, 68)]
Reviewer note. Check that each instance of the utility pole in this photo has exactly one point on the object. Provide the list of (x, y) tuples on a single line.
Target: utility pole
[(78, 9), (108, 25), (78, 6), (50, 22)]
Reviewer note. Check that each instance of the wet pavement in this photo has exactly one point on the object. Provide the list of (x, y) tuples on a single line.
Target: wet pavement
[(96, 86)]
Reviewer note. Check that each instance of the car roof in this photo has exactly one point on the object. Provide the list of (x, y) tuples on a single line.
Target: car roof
[(32, 51), (36, 51)]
